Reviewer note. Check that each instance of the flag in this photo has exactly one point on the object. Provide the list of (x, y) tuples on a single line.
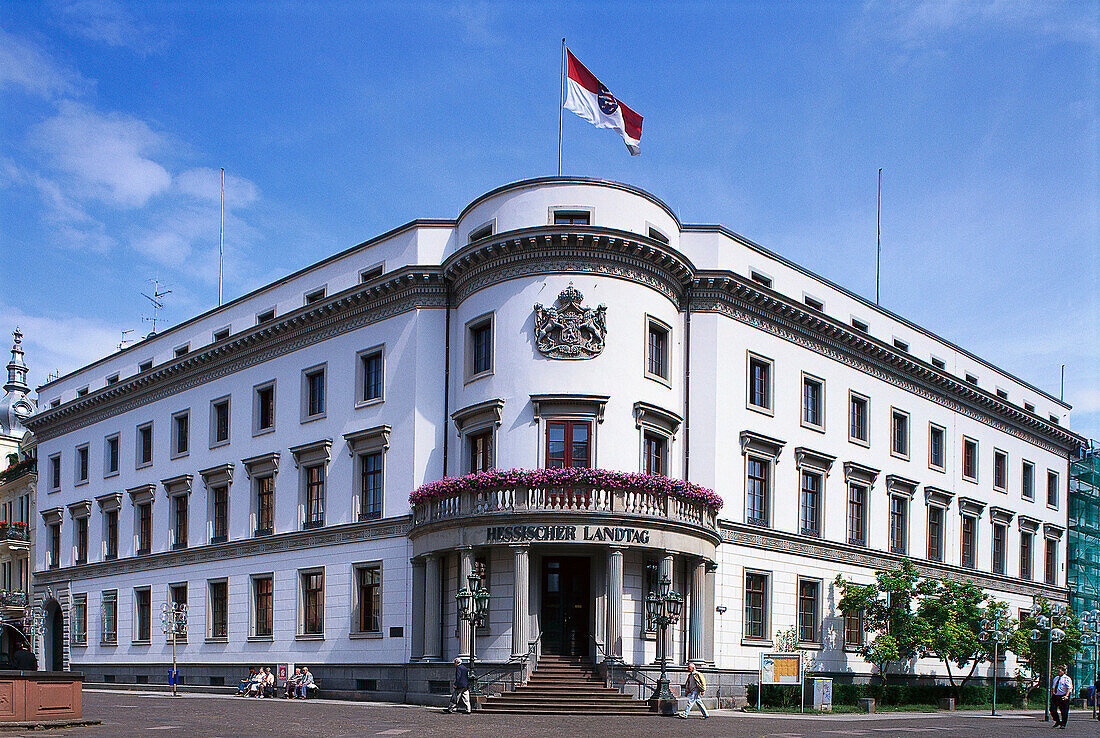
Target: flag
[(592, 101)]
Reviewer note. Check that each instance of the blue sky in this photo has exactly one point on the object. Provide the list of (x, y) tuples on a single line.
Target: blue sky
[(338, 121)]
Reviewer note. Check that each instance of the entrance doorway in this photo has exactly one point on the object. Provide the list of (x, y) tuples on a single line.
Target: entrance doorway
[(565, 605), (53, 656)]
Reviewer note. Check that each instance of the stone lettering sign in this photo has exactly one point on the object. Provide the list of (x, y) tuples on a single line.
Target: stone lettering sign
[(556, 533)]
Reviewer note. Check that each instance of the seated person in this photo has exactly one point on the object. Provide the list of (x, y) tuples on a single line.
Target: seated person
[(269, 683), (244, 684), (292, 683), (256, 686), (306, 684)]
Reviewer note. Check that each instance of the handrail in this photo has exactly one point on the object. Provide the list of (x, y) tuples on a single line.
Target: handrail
[(501, 673)]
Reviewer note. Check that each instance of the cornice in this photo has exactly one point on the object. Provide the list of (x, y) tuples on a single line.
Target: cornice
[(840, 553), (406, 290), (743, 300)]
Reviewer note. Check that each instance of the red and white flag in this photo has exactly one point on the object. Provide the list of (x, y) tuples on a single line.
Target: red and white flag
[(592, 101)]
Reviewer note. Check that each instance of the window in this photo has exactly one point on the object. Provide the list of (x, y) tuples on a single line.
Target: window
[(265, 505), (55, 472), (857, 419), (936, 444), (371, 376), (80, 533), (219, 609), (761, 279), (265, 316), (182, 350), (110, 456), (483, 232), (935, 533), (657, 350), (809, 620), (656, 235), (373, 272), (222, 334), (370, 502), (315, 296), (813, 402), (219, 422), (1054, 419), (110, 534), (899, 524), (369, 583), (969, 540), (54, 531), (480, 448), (1029, 407), (1027, 541), (142, 615), (901, 345), (263, 606), (853, 629), (1050, 568), (756, 605), (180, 434), (970, 460), (971, 379), (999, 536), (655, 453), (219, 528), (145, 366), (572, 217), (899, 433), (1052, 488), (756, 490), (144, 516), (82, 464), (1002, 394), (79, 620), (315, 496), (760, 383), (479, 347), (1000, 470), (813, 303), (313, 603), (939, 363), (177, 595), (110, 617), (1027, 481), (112, 379), (82, 392), (55, 402), (313, 393), (145, 445), (567, 444), (263, 413), (860, 325), (179, 519), (811, 504), (857, 514)]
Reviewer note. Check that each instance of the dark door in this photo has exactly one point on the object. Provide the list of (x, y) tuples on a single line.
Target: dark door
[(54, 657), (565, 605)]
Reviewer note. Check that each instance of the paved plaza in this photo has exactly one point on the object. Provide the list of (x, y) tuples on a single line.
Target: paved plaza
[(203, 716)]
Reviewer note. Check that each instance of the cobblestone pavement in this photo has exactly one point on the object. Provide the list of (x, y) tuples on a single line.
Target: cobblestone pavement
[(154, 714)]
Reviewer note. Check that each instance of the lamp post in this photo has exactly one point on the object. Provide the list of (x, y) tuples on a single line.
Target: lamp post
[(173, 616), (473, 607), (663, 608), (1053, 625), (995, 628), (34, 625), (1090, 636)]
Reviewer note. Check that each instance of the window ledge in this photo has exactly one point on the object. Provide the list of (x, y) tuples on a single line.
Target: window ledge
[(898, 455), (81, 483), (370, 402), (813, 427), (659, 379), (355, 635), (756, 642), (972, 480), (144, 465), (309, 637), (218, 639), (852, 649), (141, 643), (261, 639), (479, 375), (108, 644), (311, 418), (263, 431), (858, 442), (179, 455), (79, 644), (809, 645), (762, 410), (108, 475), (219, 444)]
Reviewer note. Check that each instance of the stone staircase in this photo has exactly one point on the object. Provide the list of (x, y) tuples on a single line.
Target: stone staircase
[(564, 685)]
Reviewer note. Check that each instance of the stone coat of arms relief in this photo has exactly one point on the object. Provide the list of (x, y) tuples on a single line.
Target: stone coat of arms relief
[(570, 331)]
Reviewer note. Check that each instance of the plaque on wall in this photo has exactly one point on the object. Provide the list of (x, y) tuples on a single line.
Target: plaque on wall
[(570, 331)]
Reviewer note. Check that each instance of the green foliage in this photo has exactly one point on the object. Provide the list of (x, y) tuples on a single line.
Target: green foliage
[(954, 612), (787, 642), (1033, 655), (895, 695)]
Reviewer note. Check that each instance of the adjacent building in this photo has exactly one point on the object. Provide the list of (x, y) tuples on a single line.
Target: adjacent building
[(275, 463)]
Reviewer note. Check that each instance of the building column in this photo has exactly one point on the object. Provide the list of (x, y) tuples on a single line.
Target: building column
[(665, 570), (615, 602), (520, 594), (697, 623), (433, 616), (416, 645), (708, 606), (465, 569)]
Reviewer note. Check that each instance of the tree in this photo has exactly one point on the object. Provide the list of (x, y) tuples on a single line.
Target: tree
[(953, 611), (786, 641), (890, 611), (1033, 654)]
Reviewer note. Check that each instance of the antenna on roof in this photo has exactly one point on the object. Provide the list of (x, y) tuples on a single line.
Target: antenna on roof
[(125, 340), (155, 298), (53, 375)]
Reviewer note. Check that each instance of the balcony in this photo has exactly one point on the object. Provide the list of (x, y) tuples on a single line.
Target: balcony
[(12, 602), (14, 537)]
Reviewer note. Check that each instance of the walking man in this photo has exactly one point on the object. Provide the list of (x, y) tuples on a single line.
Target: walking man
[(1059, 701), (460, 694), (694, 687)]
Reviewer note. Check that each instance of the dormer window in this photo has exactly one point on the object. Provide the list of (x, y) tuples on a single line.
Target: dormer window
[(315, 296), (901, 345), (373, 272), (145, 366), (761, 279), (813, 303), (572, 217), (484, 232), (113, 379), (656, 235), (265, 316)]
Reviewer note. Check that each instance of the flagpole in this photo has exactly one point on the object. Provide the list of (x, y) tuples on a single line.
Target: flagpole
[(561, 107), (221, 239), (878, 234)]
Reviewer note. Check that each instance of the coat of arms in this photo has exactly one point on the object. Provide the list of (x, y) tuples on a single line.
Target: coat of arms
[(570, 331)]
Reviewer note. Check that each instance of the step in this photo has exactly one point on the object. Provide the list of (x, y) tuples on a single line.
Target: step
[(538, 696), (575, 704), (527, 711)]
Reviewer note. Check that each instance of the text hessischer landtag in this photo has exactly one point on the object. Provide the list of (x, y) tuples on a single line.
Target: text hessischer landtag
[(555, 533)]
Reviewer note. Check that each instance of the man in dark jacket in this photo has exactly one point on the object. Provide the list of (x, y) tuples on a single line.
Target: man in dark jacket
[(24, 659), (461, 688)]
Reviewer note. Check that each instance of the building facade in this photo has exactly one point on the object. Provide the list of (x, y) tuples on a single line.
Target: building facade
[(276, 463)]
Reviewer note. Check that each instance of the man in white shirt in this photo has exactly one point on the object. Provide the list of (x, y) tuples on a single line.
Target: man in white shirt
[(1059, 701)]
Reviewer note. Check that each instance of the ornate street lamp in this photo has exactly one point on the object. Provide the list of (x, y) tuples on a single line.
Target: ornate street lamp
[(1090, 636), (34, 625), (473, 607), (995, 629), (1054, 633), (173, 617), (663, 608)]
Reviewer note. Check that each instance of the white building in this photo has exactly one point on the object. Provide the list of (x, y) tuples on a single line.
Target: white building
[(256, 461)]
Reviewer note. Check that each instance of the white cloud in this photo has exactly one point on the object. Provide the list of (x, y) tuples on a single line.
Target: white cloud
[(105, 155), (204, 184), (108, 22), (23, 66), (59, 343)]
